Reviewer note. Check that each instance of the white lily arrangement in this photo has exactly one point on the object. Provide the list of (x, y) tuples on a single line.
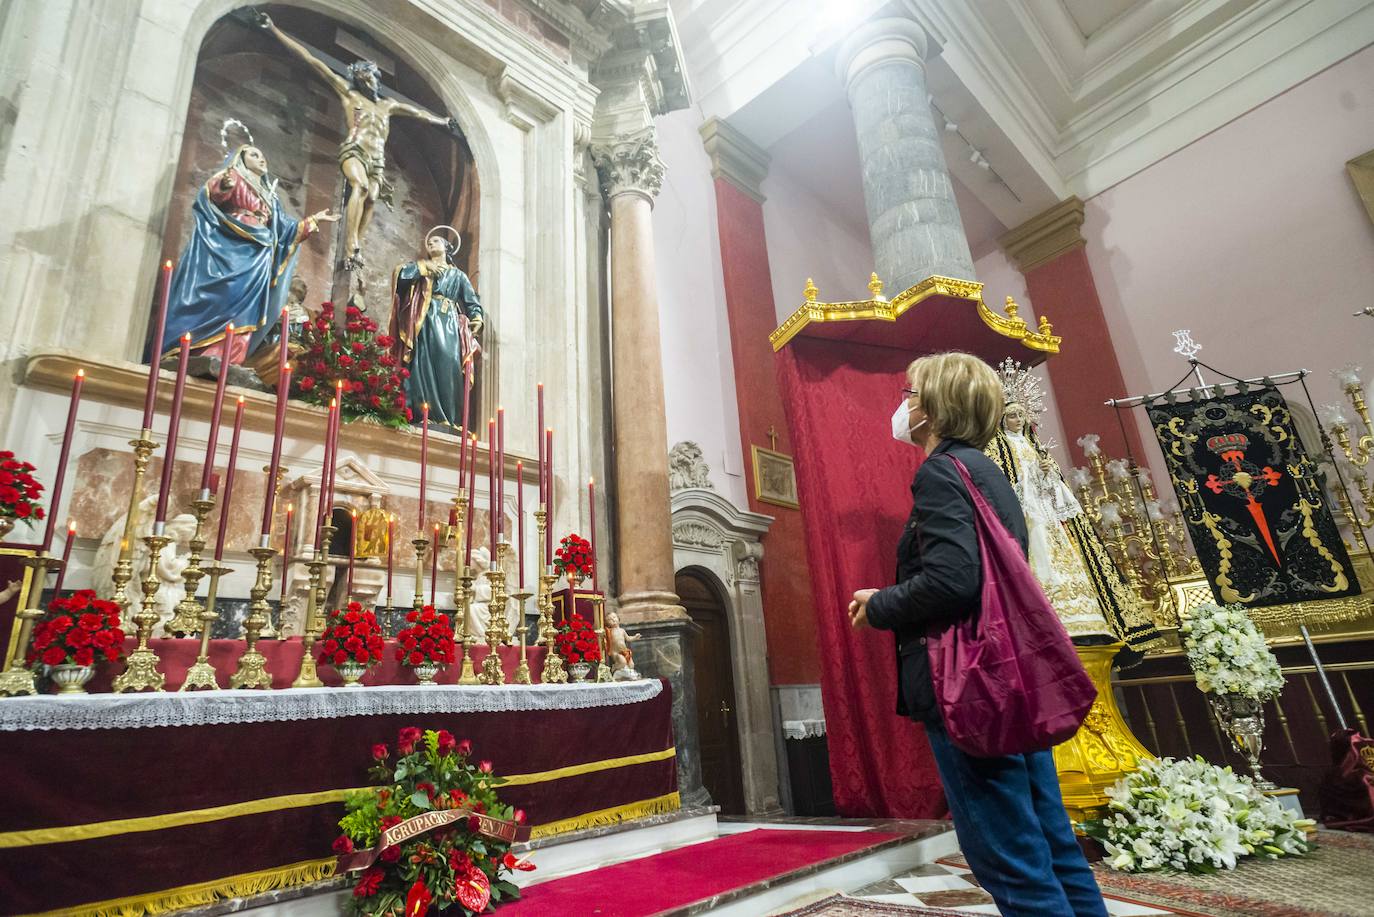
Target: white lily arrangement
[(1228, 653), (1191, 816)]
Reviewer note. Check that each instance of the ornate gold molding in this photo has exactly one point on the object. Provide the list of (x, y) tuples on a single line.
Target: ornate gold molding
[(1361, 170), (880, 308), (734, 157), (1045, 237)]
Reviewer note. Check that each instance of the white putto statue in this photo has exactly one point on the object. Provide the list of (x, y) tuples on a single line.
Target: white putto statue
[(171, 563)]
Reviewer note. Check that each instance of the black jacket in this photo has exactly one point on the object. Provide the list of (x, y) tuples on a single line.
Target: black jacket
[(939, 573)]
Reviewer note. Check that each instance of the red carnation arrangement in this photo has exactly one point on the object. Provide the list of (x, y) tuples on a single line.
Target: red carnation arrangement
[(353, 635), (373, 379), (19, 492), (574, 557), (429, 638), (576, 641), (81, 630)]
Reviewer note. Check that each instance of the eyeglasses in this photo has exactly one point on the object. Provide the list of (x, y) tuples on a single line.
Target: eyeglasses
[(911, 392)]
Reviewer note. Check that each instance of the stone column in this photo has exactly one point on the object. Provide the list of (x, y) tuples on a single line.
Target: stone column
[(913, 219)]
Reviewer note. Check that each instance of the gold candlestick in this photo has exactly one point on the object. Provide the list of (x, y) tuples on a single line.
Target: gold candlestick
[(269, 632), (17, 678), (186, 621), (421, 544), (554, 673), (141, 673), (201, 676), (252, 666), (467, 675), (309, 675), (522, 671), (124, 567), (603, 671), (492, 672)]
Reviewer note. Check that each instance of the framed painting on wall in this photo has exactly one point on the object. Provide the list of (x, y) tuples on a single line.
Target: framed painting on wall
[(775, 478)]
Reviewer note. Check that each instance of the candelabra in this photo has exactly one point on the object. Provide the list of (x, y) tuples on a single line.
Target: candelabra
[(492, 672), (17, 678), (189, 612), (252, 668), (554, 673), (124, 566), (268, 631), (466, 640), (141, 673), (421, 544), (546, 580), (201, 676), (603, 671), (1356, 452), (309, 676), (522, 672)]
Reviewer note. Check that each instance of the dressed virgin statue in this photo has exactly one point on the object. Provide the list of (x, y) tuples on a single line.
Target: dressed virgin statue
[(1079, 576), (238, 264), (435, 319)]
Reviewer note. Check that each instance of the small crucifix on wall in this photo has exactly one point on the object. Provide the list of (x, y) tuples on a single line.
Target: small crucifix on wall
[(775, 477)]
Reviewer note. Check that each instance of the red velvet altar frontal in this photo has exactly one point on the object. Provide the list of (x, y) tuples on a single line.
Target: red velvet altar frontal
[(97, 819), (284, 663)]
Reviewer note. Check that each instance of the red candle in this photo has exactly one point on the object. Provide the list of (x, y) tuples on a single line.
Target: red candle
[(591, 502), (424, 461), (283, 354), (539, 439), (462, 445), (55, 495), (66, 558), (169, 460), (501, 474), (334, 441), (155, 355), (434, 565), (270, 498), (472, 490), (520, 522), (390, 542), (215, 412), (229, 482), (352, 552), (491, 486), (548, 494), (322, 510), (286, 551)]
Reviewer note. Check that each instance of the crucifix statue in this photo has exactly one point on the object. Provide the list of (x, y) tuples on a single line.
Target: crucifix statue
[(772, 438), (362, 156)]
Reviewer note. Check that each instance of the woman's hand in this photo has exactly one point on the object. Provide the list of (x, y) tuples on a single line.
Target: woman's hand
[(858, 608), (1046, 464), (325, 216)]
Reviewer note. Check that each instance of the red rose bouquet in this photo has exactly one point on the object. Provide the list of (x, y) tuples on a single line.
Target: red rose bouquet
[(353, 635), (574, 557), (429, 638), (80, 630), (457, 868), (19, 492), (373, 379), (576, 641)]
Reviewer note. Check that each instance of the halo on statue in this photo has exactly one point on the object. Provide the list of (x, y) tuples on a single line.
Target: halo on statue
[(457, 238), (224, 131), (1021, 386)]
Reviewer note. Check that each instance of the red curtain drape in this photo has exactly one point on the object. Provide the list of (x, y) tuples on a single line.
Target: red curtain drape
[(854, 481)]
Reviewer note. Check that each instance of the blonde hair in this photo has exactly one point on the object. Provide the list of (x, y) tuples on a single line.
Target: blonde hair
[(960, 394)]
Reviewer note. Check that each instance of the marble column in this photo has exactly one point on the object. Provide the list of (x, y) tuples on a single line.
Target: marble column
[(913, 219)]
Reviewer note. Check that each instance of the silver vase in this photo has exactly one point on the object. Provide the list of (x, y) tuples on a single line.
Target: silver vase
[(1242, 718), (71, 678), (352, 673), (579, 671), (425, 672)]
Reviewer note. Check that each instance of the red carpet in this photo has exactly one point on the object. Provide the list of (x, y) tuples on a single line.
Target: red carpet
[(654, 884)]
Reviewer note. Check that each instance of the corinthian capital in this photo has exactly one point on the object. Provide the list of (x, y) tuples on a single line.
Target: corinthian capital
[(630, 165)]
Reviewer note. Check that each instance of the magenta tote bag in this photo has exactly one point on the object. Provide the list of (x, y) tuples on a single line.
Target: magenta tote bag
[(1007, 679)]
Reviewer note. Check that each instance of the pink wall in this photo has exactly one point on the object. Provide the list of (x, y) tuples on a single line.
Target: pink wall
[(1252, 237)]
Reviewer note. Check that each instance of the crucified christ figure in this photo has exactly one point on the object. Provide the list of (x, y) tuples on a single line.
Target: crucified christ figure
[(362, 156)]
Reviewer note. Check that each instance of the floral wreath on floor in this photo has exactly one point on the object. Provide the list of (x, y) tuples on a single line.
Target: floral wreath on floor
[(1191, 816), (454, 834)]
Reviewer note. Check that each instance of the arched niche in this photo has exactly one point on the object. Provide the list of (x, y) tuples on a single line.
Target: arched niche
[(243, 73)]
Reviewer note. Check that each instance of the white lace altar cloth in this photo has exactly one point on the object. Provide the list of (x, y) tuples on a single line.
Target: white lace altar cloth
[(213, 708)]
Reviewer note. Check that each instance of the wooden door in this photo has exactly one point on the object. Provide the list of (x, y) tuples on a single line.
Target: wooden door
[(717, 722)]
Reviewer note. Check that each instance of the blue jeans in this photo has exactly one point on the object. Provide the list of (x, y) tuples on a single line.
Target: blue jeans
[(1015, 833)]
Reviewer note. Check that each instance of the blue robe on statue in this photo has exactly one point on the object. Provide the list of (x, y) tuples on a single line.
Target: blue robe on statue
[(432, 308), (237, 265)]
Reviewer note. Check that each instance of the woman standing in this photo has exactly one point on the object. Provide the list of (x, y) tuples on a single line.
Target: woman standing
[(1007, 810), (435, 320)]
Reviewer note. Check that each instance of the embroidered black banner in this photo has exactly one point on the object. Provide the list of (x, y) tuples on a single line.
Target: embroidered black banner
[(1256, 513)]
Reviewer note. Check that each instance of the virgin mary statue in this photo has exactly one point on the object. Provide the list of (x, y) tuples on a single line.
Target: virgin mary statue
[(1079, 576), (237, 265), (435, 320)]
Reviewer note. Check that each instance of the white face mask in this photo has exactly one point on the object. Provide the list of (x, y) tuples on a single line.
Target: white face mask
[(901, 424)]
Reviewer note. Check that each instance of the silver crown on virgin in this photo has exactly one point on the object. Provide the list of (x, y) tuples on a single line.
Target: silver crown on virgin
[(1021, 386)]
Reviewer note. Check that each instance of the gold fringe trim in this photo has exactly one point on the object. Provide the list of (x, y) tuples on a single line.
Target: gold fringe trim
[(203, 893), (36, 836), (659, 805)]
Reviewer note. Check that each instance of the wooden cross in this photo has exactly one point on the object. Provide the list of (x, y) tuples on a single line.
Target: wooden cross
[(772, 438)]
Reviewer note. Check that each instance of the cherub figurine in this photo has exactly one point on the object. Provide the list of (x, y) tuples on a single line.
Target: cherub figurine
[(618, 651), (11, 588), (171, 564)]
